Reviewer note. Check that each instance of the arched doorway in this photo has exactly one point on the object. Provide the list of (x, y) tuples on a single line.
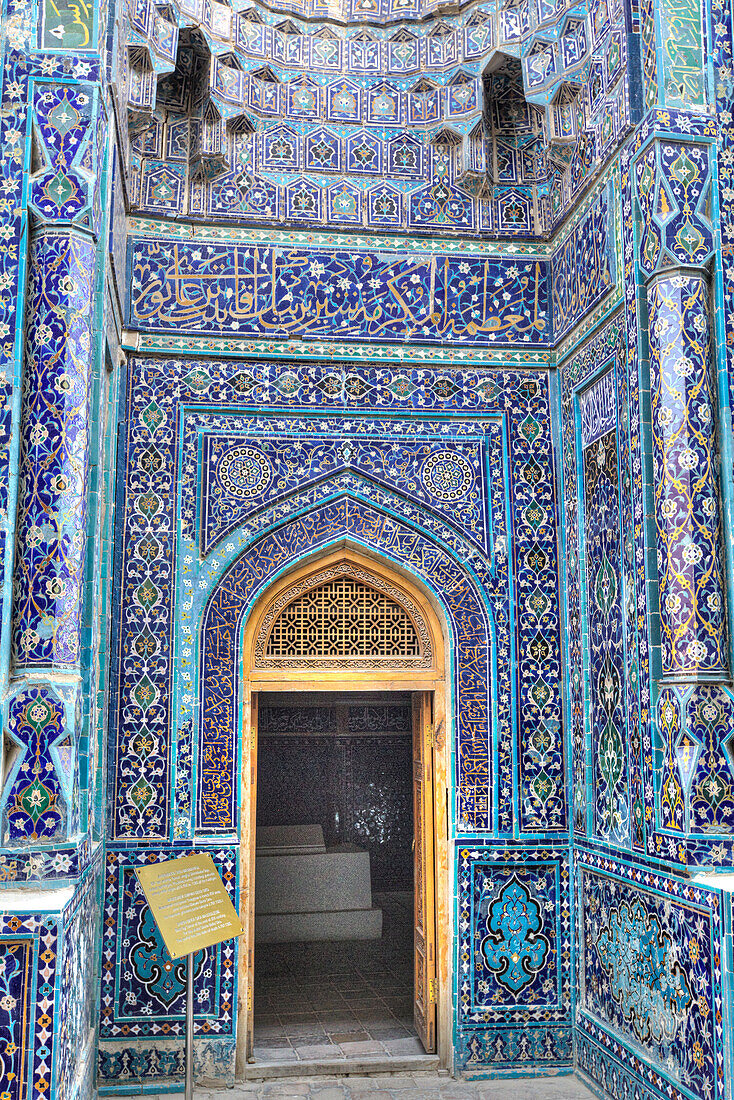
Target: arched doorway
[(348, 624)]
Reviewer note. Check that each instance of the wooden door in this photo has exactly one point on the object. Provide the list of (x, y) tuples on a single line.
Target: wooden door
[(252, 795), (424, 1001)]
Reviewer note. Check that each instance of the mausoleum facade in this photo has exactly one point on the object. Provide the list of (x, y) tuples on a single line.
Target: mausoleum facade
[(371, 346)]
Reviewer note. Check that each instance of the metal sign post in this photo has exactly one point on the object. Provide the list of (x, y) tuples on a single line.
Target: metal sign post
[(193, 910), (189, 1051)]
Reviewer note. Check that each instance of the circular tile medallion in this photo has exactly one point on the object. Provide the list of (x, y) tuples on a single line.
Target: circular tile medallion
[(447, 475), (244, 472)]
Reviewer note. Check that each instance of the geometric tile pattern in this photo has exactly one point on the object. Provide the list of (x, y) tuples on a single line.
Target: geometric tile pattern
[(68, 132), (79, 1004), (29, 944), (52, 122), (413, 125), (15, 995), (673, 187)]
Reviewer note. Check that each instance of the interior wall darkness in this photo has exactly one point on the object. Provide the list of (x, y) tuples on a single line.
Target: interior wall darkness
[(346, 767)]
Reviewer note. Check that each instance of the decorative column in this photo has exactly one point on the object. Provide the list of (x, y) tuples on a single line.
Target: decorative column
[(695, 762), (43, 799), (693, 636), (675, 243), (52, 503)]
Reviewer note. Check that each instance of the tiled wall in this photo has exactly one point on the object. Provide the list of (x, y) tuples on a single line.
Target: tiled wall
[(364, 473), (536, 340), (648, 738)]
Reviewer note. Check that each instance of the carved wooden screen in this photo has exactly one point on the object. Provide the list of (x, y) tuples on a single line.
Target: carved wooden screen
[(343, 616)]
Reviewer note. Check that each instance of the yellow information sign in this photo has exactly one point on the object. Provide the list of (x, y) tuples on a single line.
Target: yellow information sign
[(189, 903)]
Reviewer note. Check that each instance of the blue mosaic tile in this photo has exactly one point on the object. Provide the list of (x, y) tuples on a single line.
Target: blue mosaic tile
[(649, 974), (256, 290), (271, 152), (53, 506), (148, 987), (143, 696)]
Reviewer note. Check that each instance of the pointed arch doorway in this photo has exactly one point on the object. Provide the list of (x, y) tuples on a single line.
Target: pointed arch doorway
[(348, 624)]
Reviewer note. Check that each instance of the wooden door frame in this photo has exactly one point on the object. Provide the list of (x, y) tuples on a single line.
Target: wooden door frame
[(435, 680)]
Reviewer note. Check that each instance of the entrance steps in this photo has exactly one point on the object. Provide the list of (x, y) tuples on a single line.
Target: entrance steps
[(342, 1067)]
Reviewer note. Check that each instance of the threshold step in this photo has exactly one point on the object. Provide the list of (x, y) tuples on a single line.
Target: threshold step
[(341, 1067)]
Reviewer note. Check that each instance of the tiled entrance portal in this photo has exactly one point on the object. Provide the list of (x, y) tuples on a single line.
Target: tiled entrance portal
[(352, 1000)]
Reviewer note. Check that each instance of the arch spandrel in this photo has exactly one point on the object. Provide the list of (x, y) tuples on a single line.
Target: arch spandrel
[(405, 553)]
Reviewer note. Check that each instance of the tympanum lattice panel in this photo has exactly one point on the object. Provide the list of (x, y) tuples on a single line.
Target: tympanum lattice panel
[(343, 617)]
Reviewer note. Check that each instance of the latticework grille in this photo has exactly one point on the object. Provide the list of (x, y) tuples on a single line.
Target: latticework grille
[(343, 620)]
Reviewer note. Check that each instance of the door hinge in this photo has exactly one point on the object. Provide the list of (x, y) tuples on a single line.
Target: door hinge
[(432, 991), (431, 735), (249, 1000)]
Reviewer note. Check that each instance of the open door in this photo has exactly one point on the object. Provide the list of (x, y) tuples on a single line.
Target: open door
[(424, 1002), (252, 795), (420, 670)]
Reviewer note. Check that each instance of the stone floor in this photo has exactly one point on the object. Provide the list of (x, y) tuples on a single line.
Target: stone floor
[(417, 1086), (315, 1002)]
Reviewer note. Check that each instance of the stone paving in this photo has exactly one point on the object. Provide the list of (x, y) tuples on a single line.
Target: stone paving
[(317, 1002), (415, 1086)]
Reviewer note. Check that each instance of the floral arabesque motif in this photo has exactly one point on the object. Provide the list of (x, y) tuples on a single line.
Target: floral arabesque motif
[(600, 546), (582, 268), (163, 977), (15, 985), (142, 986), (604, 609), (670, 783), (514, 947), (418, 468), (650, 981), (693, 622), (52, 510), (36, 807), (249, 574), (709, 715), (499, 1025), (650, 987)]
